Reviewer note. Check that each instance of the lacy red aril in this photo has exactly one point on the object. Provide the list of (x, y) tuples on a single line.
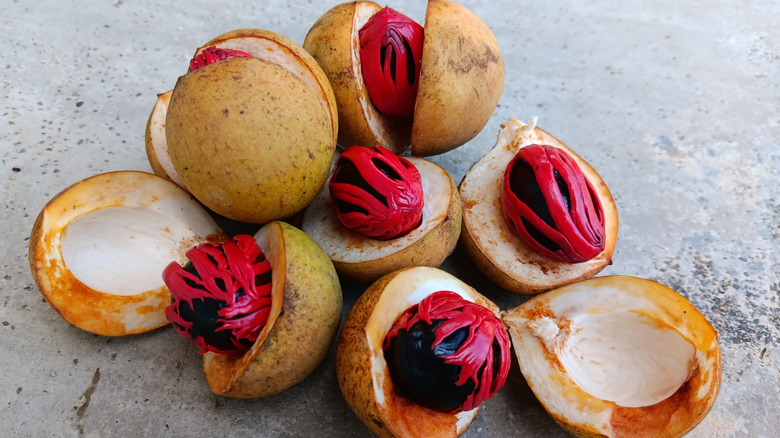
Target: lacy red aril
[(391, 47), (550, 205), (213, 54), (376, 193), (222, 296), (447, 353)]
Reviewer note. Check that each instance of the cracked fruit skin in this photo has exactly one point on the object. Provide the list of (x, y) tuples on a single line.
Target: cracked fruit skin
[(249, 139), (302, 323)]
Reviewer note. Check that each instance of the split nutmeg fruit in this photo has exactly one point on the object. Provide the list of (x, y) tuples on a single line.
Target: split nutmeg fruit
[(397, 83), (365, 183)]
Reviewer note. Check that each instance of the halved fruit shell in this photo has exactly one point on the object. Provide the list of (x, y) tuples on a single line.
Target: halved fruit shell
[(156, 144), (496, 251), (618, 357), (461, 79), (305, 316), (98, 249), (361, 368), (363, 259)]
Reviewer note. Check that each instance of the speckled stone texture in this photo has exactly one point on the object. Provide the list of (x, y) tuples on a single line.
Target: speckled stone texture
[(676, 104)]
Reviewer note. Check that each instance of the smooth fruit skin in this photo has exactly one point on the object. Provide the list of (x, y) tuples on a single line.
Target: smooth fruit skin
[(301, 335), (265, 44), (249, 139), (461, 80)]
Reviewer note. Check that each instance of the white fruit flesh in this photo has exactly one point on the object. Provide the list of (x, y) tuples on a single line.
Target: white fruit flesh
[(631, 359), (608, 349), (123, 250), (156, 136), (98, 249), (320, 220)]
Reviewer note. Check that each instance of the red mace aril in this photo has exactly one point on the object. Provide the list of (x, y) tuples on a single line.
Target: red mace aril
[(376, 193), (222, 296), (447, 353), (550, 205), (391, 47), (213, 54)]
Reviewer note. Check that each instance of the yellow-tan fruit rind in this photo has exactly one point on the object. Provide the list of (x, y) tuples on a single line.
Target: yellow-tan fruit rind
[(304, 319)]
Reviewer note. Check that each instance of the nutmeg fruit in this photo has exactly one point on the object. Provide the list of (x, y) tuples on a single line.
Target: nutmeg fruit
[(500, 254), (303, 320), (461, 78), (98, 249), (364, 259), (363, 372), (252, 136), (618, 356)]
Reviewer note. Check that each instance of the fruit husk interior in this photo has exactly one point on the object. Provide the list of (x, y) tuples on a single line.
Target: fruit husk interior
[(580, 412), (105, 312)]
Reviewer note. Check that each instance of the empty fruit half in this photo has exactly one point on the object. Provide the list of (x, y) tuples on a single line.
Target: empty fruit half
[(98, 249), (618, 357)]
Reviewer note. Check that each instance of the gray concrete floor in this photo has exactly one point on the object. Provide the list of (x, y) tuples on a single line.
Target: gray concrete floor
[(676, 104)]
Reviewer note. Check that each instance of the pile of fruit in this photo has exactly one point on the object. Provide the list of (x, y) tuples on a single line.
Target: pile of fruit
[(311, 142)]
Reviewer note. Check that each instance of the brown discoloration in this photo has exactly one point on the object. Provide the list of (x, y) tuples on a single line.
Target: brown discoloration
[(461, 79)]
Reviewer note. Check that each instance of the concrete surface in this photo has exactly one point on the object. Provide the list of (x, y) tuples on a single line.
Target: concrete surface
[(675, 103)]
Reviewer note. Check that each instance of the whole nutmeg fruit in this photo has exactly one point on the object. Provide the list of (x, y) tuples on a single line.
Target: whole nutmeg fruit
[(251, 128)]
